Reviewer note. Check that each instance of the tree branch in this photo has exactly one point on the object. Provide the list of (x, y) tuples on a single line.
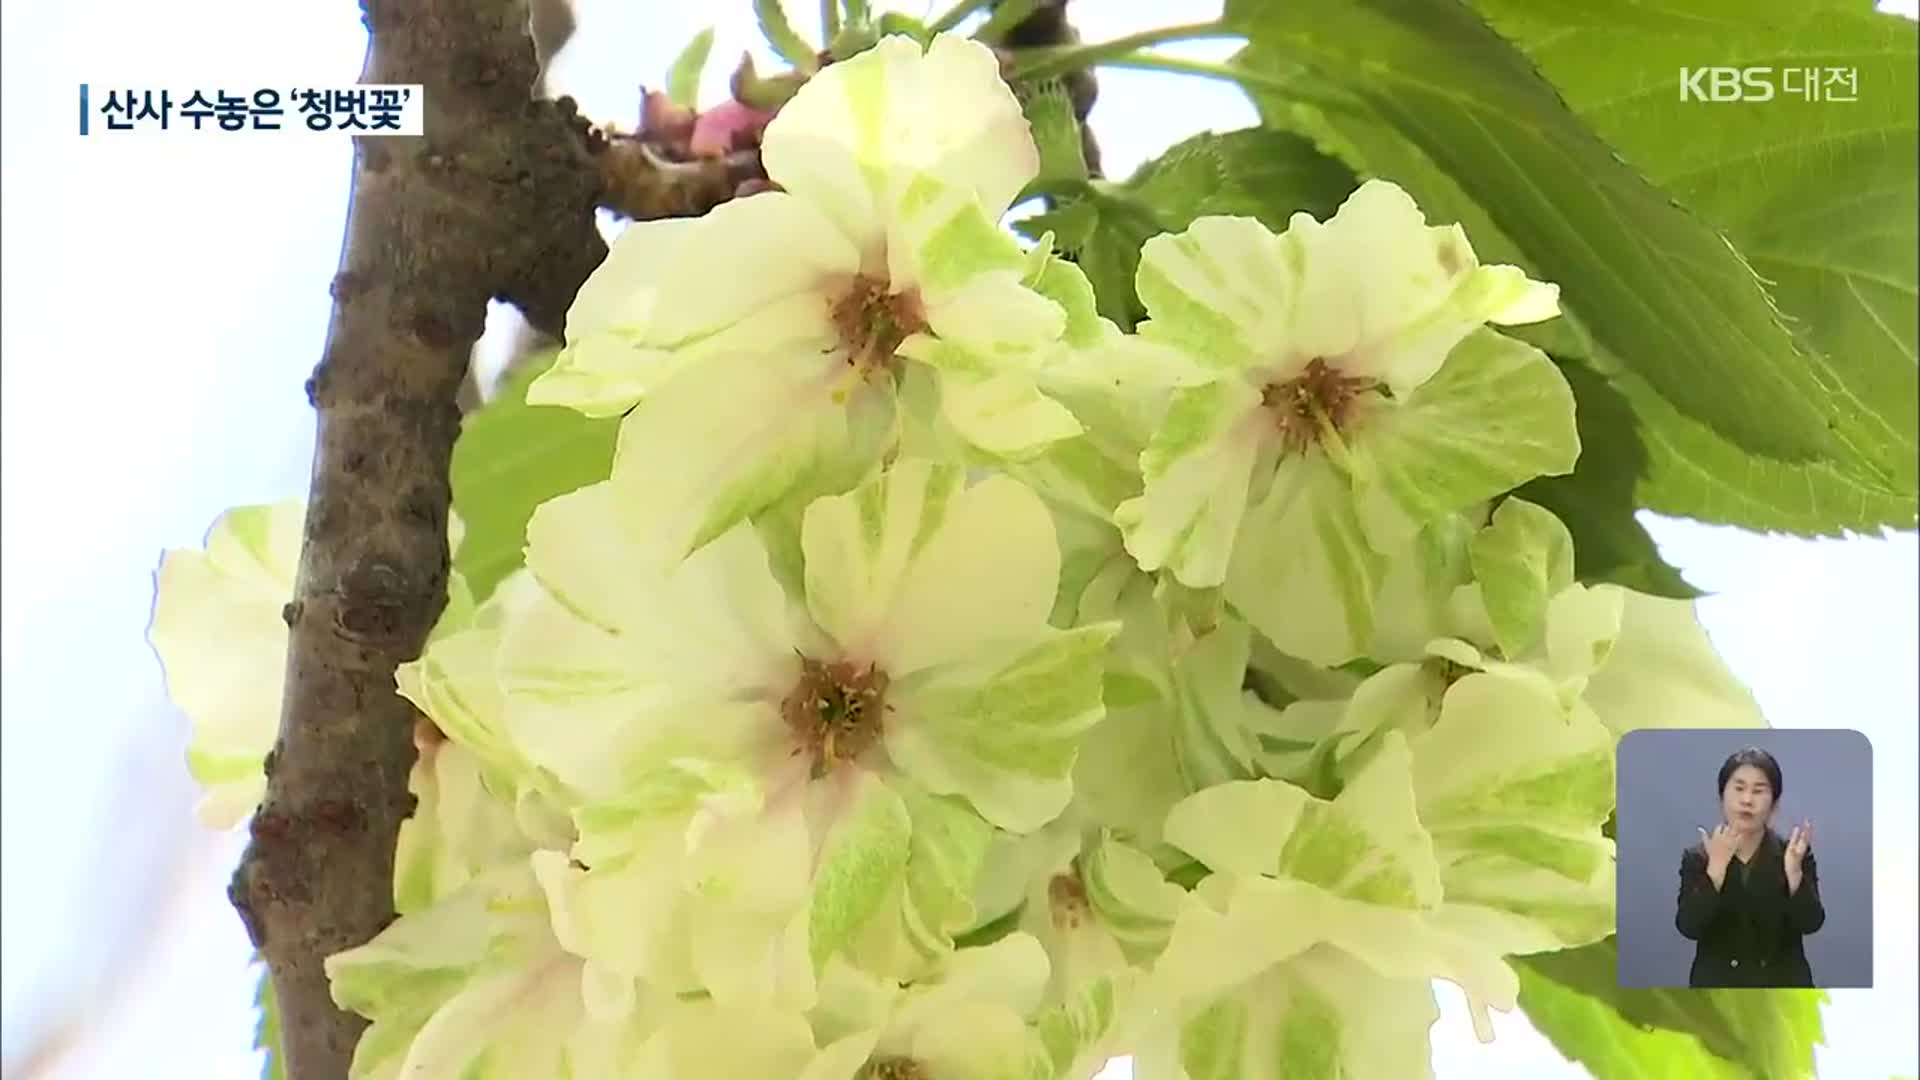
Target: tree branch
[(495, 200)]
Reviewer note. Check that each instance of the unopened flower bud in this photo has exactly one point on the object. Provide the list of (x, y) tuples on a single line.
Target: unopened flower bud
[(662, 120), (763, 92), (727, 127)]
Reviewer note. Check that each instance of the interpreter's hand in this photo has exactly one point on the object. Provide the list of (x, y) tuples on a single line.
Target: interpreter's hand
[(1798, 843), (1719, 844)]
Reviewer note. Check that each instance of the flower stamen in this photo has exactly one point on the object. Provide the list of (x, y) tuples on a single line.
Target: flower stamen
[(892, 1068), (872, 322), (835, 711), (1317, 407), (1067, 897)]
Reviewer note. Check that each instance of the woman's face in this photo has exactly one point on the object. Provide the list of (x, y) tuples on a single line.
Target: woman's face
[(1747, 801)]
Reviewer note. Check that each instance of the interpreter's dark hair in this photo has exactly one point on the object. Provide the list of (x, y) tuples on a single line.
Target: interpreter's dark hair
[(1759, 759)]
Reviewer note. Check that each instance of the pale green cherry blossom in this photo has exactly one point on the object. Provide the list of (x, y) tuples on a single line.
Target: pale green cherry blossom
[(761, 347), (969, 1021), (221, 637), (477, 986), (813, 773), (1350, 394), (1310, 948)]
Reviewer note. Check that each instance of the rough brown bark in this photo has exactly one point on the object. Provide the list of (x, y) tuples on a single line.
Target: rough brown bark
[(495, 200)]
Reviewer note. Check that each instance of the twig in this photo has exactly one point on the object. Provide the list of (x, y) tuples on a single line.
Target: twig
[(638, 182), (495, 200)]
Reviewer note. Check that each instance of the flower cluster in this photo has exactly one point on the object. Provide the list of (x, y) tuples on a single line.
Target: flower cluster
[(945, 684)]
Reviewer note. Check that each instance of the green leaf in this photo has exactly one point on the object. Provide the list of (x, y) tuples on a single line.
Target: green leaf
[(1254, 172), (266, 1034), (683, 78), (861, 32), (1597, 501), (1574, 999), (1101, 229), (1056, 133), (510, 458), (1692, 472), (785, 40), (1820, 196), (1589, 1032), (893, 22), (1648, 278)]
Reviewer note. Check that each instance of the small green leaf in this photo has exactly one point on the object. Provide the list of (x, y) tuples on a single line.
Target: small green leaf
[(1650, 280), (1597, 502), (785, 40), (893, 22), (1259, 173), (1101, 230), (510, 458), (683, 78), (1574, 998), (1056, 133)]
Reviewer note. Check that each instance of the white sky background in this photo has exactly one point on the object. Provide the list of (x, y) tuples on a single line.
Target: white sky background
[(164, 299)]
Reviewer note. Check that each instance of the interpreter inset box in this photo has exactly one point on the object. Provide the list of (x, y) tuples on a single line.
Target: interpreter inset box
[(1745, 858)]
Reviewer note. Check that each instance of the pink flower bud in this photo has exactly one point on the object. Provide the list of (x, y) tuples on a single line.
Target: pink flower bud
[(727, 127), (663, 121)]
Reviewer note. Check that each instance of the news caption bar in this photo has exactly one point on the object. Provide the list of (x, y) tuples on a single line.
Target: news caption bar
[(361, 109)]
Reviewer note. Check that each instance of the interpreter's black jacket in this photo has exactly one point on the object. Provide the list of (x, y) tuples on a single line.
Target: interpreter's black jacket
[(1749, 930)]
